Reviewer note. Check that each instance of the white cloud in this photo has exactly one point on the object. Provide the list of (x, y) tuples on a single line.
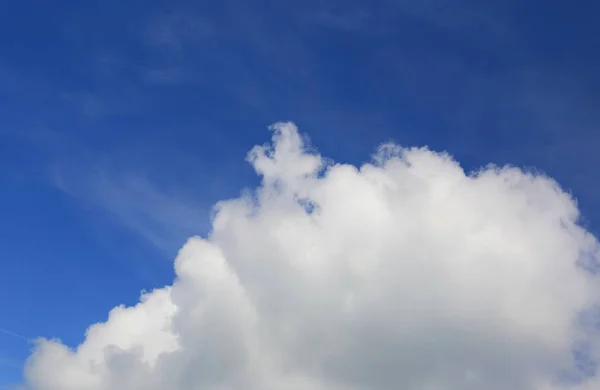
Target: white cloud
[(405, 273)]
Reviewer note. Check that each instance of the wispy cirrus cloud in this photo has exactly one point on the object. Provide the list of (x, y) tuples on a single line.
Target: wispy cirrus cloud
[(10, 333), (164, 218)]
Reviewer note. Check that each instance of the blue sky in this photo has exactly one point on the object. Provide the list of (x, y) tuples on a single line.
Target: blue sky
[(121, 123)]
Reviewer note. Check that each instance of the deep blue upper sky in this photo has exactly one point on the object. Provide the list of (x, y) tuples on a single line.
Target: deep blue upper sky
[(122, 122)]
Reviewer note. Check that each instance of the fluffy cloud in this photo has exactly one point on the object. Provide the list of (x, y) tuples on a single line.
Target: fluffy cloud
[(404, 273)]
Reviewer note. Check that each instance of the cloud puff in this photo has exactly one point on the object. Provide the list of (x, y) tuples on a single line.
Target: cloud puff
[(403, 273)]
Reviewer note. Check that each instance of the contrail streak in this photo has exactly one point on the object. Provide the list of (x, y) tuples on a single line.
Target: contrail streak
[(13, 334)]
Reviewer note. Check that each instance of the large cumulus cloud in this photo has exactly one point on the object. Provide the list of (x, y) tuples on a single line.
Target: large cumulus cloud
[(403, 273)]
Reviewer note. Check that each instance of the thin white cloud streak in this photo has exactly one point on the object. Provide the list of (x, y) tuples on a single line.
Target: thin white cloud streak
[(403, 273), (13, 334), (165, 220)]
